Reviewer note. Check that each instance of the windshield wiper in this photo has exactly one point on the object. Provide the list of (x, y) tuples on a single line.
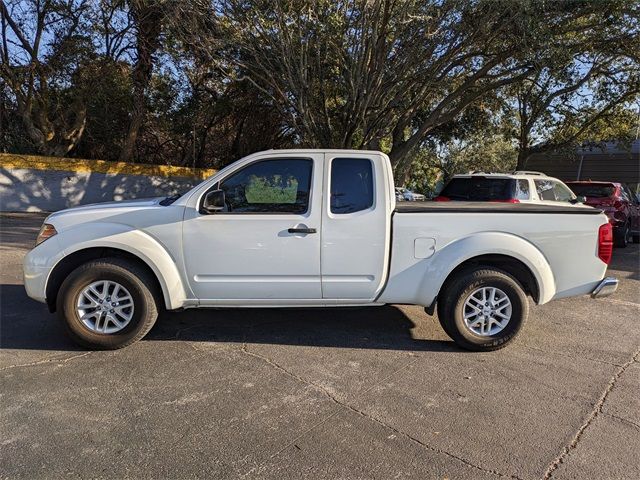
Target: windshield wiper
[(169, 200)]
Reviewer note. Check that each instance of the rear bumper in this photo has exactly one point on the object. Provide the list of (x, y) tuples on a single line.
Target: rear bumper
[(605, 288)]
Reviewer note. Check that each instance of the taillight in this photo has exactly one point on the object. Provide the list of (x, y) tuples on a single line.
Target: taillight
[(605, 243), (441, 198), (510, 200)]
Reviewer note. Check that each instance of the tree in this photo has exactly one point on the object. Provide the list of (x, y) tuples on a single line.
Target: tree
[(147, 18), (475, 142), (43, 47), (593, 72), (359, 73), (203, 82)]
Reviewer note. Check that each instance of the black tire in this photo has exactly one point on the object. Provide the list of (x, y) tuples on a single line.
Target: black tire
[(136, 279), (621, 237), (451, 308), (442, 315)]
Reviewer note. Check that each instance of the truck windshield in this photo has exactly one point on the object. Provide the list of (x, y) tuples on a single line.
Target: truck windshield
[(479, 189)]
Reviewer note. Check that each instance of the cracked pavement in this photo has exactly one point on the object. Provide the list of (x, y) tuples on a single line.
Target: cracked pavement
[(375, 392)]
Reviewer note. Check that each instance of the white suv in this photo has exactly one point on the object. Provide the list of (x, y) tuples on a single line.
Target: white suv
[(516, 187)]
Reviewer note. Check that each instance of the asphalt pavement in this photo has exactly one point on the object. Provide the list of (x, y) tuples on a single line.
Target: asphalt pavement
[(354, 393)]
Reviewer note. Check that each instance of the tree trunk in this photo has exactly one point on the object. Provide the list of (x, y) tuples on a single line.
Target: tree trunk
[(55, 138), (523, 156), (139, 109), (401, 169), (147, 16)]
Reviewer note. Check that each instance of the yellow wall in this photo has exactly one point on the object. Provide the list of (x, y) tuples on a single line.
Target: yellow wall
[(14, 161)]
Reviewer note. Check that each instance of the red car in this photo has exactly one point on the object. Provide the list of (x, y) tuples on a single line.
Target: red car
[(619, 203)]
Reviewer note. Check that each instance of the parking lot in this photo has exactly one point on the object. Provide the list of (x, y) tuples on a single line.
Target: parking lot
[(332, 393)]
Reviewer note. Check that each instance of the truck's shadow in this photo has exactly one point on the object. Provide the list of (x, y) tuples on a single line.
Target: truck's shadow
[(27, 325), (626, 260), (365, 327)]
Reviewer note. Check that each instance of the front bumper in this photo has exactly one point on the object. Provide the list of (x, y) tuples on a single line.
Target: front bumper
[(35, 281), (37, 266), (605, 288)]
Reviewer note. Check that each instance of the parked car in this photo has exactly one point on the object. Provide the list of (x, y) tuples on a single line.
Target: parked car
[(518, 187), (403, 194), (618, 202), (313, 228)]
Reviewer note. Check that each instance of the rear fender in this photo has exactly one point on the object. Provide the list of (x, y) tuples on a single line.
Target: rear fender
[(487, 243)]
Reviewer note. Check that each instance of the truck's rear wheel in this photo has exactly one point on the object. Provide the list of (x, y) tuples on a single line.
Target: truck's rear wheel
[(107, 304), (483, 309)]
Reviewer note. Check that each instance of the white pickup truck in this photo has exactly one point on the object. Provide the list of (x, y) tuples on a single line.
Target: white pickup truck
[(313, 228)]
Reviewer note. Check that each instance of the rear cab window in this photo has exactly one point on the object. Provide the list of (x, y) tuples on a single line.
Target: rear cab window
[(479, 189), (351, 185)]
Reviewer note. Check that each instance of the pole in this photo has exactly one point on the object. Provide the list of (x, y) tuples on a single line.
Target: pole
[(194, 148), (580, 166)]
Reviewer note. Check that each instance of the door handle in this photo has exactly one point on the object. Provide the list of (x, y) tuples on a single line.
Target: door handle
[(302, 230)]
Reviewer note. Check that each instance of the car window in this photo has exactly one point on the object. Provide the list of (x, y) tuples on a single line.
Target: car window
[(522, 190), (624, 196), (562, 193), (479, 189), (269, 186), (632, 197), (593, 190), (351, 185), (544, 188)]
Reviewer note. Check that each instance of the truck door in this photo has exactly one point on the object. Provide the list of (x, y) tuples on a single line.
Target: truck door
[(264, 247), (356, 226)]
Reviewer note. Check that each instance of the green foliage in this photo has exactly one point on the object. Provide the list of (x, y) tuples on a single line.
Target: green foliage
[(441, 86), (434, 166), (108, 108), (272, 190)]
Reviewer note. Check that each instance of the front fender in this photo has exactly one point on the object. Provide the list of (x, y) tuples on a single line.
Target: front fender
[(131, 240), (487, 243)]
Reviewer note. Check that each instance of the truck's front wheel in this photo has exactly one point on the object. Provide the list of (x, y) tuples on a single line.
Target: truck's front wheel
[(483, 309), (107, 303)]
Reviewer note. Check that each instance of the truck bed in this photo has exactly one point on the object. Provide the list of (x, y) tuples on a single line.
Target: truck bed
[(492, 207), (426, 245)]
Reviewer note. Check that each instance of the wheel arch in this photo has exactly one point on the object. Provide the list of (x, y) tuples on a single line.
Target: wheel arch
[(79, 257), (507, 252), (98, 240), (511, 265)]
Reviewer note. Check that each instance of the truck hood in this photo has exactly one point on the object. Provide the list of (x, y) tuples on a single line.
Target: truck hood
[(137, 203), (116, 212)]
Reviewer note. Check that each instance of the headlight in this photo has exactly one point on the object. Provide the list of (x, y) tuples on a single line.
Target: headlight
[(46, 231)]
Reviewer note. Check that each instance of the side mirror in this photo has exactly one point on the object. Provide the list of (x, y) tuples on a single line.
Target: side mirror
[(578, 199), (214, 201)]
